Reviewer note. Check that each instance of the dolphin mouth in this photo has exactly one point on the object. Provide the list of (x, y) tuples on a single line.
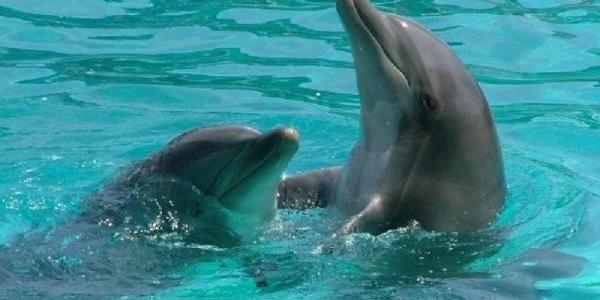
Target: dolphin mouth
[(367, 16), (285, 137)]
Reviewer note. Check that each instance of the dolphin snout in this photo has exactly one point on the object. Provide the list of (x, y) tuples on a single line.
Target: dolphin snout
[(279, 142), (282, 135), (290, 135), (344, 5), (356, 7), (365, 25)]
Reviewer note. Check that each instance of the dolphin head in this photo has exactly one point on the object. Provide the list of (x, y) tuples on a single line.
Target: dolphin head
[(238, 166), (419, 102), (406, 76)]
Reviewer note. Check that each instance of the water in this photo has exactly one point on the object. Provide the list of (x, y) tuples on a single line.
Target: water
[(88, 88)]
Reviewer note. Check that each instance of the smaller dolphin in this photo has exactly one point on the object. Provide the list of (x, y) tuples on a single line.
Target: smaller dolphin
[(206, 181), (208, 187), (428, 149)]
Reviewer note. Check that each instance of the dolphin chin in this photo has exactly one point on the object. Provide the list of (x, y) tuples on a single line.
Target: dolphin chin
[(428, 149)]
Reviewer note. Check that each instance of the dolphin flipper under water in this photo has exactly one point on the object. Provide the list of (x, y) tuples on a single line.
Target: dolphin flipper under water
[(428, 149)]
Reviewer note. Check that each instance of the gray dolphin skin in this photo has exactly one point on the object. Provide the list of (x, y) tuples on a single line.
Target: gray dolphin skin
[(428, 149)]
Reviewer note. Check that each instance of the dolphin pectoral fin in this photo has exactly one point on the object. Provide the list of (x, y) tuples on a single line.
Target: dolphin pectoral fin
[(370, 220), (374, 218), (308, 190)]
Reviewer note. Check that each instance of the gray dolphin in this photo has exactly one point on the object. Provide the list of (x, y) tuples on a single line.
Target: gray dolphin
[(221, 178), (208, 187), (428, 149)]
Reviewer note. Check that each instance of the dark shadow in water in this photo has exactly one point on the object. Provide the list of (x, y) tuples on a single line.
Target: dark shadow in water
[(125, 243), (417, 264), (517, 279), (81, 261)]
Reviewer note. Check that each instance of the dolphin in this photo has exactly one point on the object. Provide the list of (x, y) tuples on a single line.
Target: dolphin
[(209, 188), (215, 178), (428, 150)]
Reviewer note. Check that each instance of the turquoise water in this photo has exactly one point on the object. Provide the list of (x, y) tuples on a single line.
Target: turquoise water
[(89, 87)]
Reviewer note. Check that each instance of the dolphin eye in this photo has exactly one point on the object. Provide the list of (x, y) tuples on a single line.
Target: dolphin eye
[(429, 102)]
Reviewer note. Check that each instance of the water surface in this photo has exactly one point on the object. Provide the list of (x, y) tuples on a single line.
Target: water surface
[(86, 88)]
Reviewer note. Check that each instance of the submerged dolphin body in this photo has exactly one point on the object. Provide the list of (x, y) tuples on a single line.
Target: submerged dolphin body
[(209, 186), (428, 149)]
